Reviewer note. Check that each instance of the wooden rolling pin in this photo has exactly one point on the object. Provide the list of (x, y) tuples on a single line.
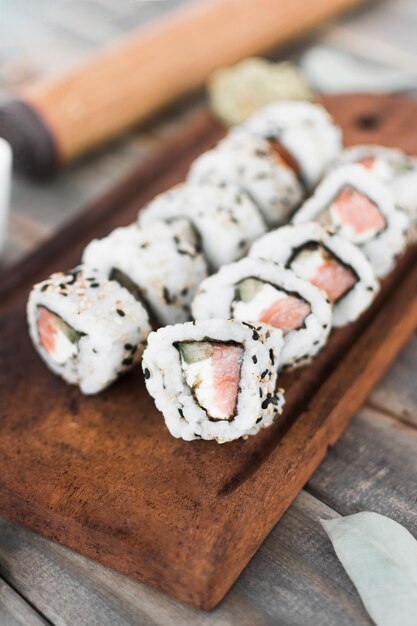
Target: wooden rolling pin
[(56, 120)]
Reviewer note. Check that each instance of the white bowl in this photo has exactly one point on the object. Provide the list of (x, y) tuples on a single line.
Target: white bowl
[(5, 184)]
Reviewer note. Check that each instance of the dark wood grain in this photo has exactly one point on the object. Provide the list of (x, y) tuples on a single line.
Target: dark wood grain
[(397, 392), (103, 476)]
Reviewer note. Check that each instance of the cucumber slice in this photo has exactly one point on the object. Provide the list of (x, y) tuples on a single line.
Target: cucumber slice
[(402, 168), (126, 282), (247, 289), (70, 333), (193, 351)]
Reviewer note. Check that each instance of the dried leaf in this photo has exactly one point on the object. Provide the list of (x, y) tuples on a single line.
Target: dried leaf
[(380, 557)]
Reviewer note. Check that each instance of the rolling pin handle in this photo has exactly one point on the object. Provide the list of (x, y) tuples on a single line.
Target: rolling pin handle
[(33, 146)]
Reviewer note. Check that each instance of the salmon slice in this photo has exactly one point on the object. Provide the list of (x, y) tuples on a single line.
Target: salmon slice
[(367, 162), (356, 210), (334, 278), (286, 313), (226, 363), (47, 328)]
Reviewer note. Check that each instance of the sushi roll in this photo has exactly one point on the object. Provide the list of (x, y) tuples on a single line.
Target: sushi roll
[(259, 291), (87, 329), (328, 261), (161, 264), (353, 203), (393, 167), (214, 379), (225, 218), (250, 163), (302, 133)]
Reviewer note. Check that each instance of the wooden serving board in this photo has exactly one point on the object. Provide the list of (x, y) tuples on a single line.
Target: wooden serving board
[(103, 476)]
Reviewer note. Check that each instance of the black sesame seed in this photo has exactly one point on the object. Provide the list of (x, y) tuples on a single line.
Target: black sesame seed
[(45, 287), (264, 373), (248, 325), (127, 361), (167, 296), (260, 392), (254, 359), (258, 420), (271, 356), (120, 312), (128, 346), (255, 335), (266, 402), (94, 285), (146, 373), (181, 413)]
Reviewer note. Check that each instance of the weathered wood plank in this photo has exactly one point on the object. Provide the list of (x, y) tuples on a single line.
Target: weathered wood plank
[(294, 578), (397, 392), (372, 467), (14, 611)]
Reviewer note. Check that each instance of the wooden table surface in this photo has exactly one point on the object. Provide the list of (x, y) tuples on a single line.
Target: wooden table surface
[(295, 578)]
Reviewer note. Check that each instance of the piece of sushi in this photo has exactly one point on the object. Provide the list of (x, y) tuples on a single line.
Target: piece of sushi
[(161, 264), (225, 218), (331, 263), (395, 168), (214, 379), (258, 291), (250, 163), (355, 204), (302, 133), (87, 329)]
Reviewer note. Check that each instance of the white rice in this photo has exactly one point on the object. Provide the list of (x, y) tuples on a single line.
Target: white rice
[(162, 259), (226, 219), (258, 402), (113, 324), (381, 248), (396, 169), (250, 163), (279, 246), (305, 130), (216, 295)]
